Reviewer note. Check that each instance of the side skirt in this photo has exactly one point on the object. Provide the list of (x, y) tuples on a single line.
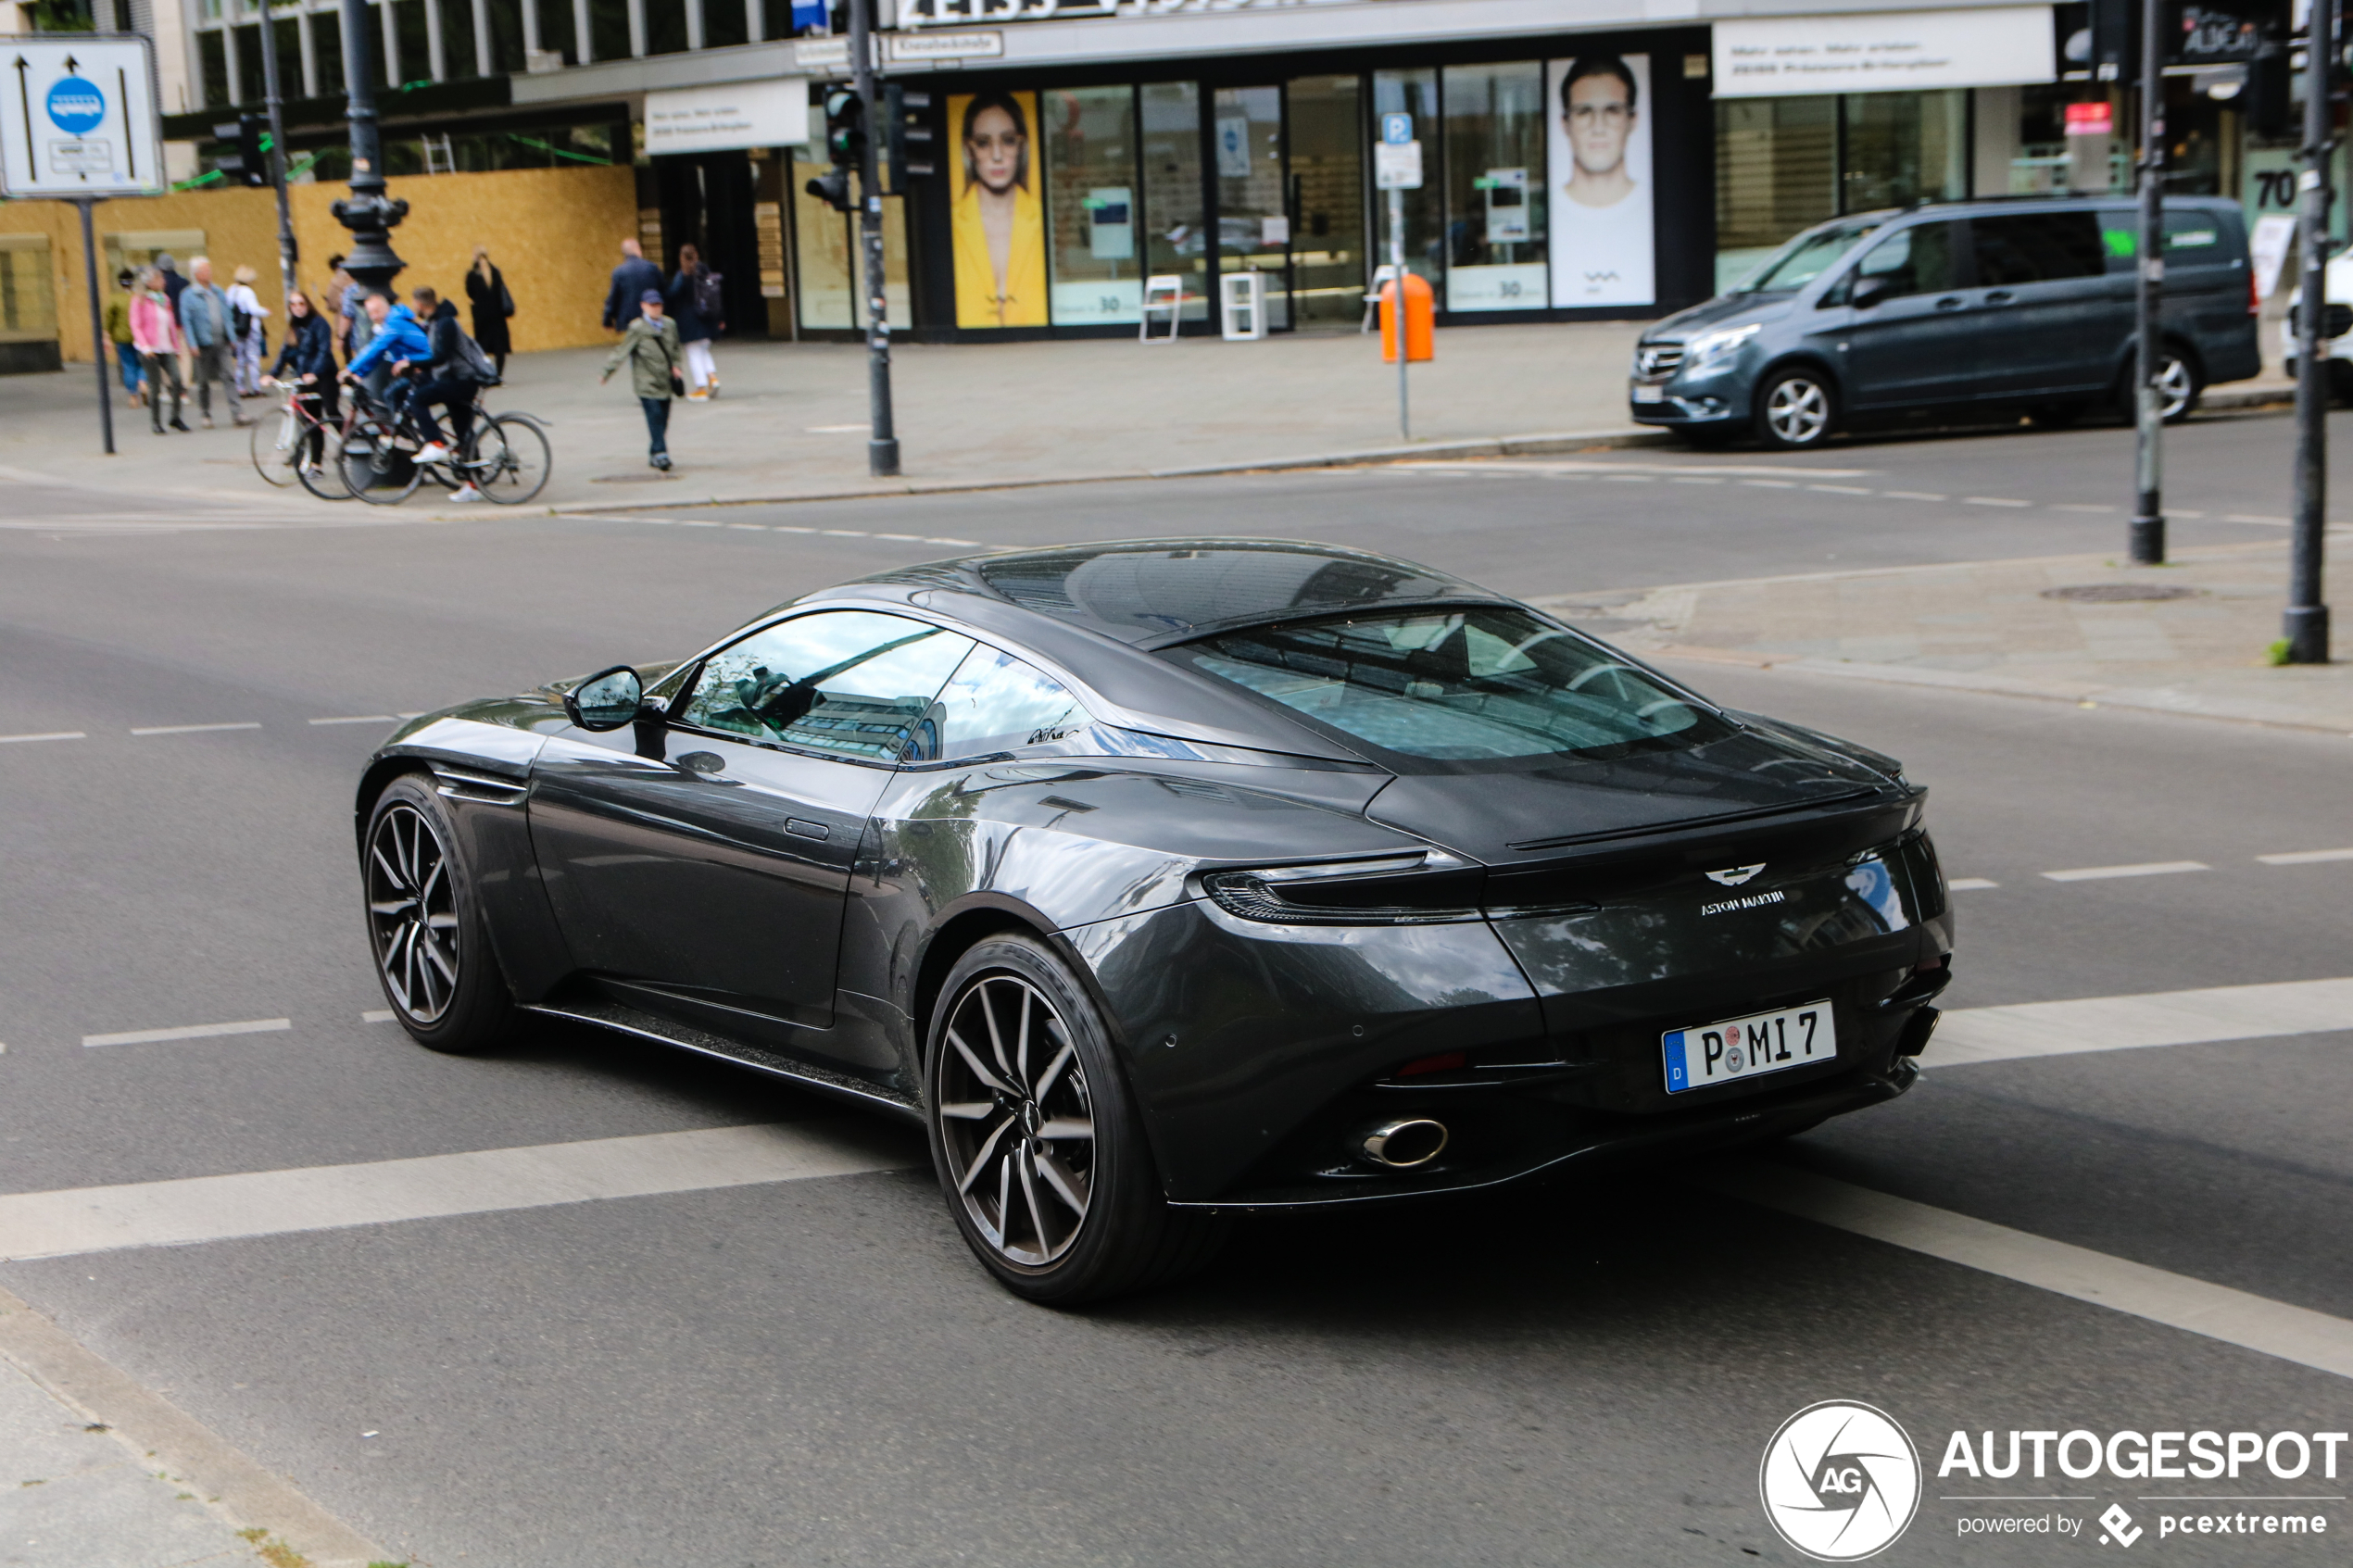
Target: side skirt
[(625, 1019)]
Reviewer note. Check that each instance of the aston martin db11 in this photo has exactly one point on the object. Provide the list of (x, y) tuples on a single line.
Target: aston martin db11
[(1160, 880)]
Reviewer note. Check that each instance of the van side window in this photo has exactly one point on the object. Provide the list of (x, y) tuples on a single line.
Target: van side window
[(2035, 247), (1921, 260)]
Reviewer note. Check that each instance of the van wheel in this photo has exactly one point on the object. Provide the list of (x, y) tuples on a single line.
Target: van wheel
[(1793, 411), (2178, 389)]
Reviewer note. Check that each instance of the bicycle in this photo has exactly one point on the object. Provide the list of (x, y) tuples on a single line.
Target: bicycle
[(505, 457), (278, 447)]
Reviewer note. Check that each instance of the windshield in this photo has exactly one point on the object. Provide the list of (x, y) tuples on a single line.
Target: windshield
[(1455, 689), (1805, 259)]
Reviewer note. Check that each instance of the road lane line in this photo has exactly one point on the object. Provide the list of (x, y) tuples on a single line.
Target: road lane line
[(1969, 884), (2194, 1305), (2000, 501), (1968, 1035), (1912, 496), (376, 1015), (1840, 489), (191, 729), (190, 1032), (202, 1209), (2306, 857), (1772, 483), (53, 735), (355, 719), (2148, 868)]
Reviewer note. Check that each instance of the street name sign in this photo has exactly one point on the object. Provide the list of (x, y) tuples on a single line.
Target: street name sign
[(78, 116)]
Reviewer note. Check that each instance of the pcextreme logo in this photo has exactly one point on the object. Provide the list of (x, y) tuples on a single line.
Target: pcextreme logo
[(1840, 1481)]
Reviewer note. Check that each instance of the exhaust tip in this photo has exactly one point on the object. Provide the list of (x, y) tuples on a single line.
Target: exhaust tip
[(1404, 1144)]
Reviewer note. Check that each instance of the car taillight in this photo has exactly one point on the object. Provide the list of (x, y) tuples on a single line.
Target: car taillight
[(2254, 300), (1417, 888)]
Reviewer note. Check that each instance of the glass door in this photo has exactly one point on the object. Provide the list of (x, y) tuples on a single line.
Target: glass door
[(1253, 217), (1327, 201)]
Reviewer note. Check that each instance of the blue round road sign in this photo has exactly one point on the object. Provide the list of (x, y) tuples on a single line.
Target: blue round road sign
[(77, 107)]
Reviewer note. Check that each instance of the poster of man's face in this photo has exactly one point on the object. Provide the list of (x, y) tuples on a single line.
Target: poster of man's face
[(1601, 204)]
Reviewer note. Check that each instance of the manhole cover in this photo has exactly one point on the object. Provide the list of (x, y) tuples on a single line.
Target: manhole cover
[(2121, 593), (632, 479)]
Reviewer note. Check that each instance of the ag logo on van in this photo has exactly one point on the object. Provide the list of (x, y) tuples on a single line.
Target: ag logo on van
[(1733, 876), (1840, 1481)]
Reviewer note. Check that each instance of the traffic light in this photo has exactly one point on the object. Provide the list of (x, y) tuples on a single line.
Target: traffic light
[(2265, 97), (845, 145), (908, 132), (248, 164), (2115, 40)]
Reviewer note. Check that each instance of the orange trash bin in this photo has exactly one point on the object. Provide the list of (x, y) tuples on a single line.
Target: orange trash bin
[(1420, 313)]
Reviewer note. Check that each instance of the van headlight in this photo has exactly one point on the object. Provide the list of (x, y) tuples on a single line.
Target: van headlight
[(1709, 348)]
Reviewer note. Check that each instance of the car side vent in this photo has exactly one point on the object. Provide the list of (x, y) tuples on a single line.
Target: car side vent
[(487, 789)]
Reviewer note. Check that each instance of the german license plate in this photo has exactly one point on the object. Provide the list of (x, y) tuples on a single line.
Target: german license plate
[(1708, 1053), (1643, 393)]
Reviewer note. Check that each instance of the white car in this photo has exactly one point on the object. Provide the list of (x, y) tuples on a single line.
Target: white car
[(2336, 325)]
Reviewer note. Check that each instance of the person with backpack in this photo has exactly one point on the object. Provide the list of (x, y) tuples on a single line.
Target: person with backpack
[(700, 307), (651, 347), (126, 352), (491, 307), (448, 377), (247, 339)]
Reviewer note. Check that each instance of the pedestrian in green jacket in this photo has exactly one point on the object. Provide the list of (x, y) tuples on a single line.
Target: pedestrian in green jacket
[(650, 345)]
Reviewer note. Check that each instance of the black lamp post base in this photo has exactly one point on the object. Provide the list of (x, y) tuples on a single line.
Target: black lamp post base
[(2305, 628)]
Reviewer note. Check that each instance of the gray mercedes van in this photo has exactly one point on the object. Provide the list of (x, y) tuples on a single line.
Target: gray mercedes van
[(2018, 303)]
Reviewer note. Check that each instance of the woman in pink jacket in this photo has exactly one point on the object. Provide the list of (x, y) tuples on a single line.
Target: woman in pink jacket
[(155, 332)]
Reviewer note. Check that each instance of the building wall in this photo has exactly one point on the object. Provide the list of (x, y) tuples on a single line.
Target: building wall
[(553, 232)]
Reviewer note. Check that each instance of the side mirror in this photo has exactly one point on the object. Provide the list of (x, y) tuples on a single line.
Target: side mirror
[(1868, 292), (606, 701)]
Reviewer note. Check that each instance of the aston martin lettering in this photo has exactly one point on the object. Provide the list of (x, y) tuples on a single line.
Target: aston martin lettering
[(1754, 900)]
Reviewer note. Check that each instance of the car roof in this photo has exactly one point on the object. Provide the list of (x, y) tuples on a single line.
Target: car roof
[(1152, 593)]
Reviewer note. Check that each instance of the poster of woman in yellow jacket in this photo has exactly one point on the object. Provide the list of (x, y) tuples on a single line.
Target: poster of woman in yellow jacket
[(999, 228)]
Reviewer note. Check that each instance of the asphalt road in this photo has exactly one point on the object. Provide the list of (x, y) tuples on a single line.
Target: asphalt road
[(815, 1372)]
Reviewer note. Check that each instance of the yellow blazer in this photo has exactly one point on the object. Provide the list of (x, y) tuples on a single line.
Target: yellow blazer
[(977, 303)]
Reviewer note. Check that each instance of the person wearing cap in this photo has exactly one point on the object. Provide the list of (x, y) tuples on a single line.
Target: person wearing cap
[(650, 345), (126, 352)]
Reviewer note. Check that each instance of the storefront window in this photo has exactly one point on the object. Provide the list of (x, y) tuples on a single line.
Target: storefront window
[(1896, 148), (821, 250), (1495, 187), (1253, 220), (1328, 189), (1414, 93), (1173, 220), (1089, 136), (28, 312), (1776, 173)]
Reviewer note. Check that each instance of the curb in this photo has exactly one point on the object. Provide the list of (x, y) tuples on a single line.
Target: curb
[(1488, 446)]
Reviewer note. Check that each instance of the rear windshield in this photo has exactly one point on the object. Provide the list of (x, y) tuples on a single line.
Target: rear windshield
[(1458, 689), (1805, 259)]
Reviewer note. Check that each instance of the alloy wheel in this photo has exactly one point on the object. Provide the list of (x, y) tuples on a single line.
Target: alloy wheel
[(1016, 1120), (412, 913), (2175, 387), (1797, 411)]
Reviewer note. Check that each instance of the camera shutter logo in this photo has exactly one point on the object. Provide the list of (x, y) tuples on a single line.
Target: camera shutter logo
[(1840, 1481)]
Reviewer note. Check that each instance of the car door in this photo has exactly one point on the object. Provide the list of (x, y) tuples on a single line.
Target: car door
[(2050, 321), (1914, 344), (701, 863)]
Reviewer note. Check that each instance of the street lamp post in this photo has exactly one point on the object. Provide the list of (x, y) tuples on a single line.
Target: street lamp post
[(273, 105), (2148, 542), (2305, 626), (881, 445), (367, 212)]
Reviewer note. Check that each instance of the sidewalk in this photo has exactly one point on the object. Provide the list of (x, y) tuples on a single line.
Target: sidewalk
[(2005, 627), (792, 420)]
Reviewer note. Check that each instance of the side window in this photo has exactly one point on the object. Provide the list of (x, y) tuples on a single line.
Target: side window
[(997, 703), (2032, 248), (852, 682), (1919, 259)]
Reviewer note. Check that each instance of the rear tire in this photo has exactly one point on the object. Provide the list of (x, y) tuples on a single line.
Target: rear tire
[(327, 480), (425, 926), (378, 470), (515, 460), (2179, 388), (1796, 411), (271, 442), (1037, 1142)]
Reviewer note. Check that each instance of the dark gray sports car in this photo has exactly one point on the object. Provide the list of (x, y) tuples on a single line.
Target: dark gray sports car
[(1169, 879)]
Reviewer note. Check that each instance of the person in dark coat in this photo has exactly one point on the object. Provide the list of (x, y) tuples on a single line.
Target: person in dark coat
[(307, 360), (630, 281), (690, 292), (492, 304)]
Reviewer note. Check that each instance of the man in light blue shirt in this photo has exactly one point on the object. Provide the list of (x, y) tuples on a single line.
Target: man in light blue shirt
[(204, 322)]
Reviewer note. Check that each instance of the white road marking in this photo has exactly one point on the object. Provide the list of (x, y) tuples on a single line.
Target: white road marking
[(376, 1015), (2000, 501), (191, 729), (1912, 496), (902, 538), (419, 714), (2194, 1305), (190, 1032), (750, 527), (833, 429), (695, 522), (1969, 884), (1840, 489), (967, 544), (793, 528), (2306, 857), (843, 532), (2150, 868), (52, 735), (1772, 483), (2246, 517), (2080, 507), (1626, 478), (355, 719), (200, 1209), (1968, 1035)]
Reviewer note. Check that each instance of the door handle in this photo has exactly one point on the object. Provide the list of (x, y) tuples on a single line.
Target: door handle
[(2000, 296), (703, 762), (801, 827), (1950, 302)]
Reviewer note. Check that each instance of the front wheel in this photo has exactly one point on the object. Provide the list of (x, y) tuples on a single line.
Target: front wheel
[(273, 444), (326, 478), (1793, 411), (511, 459), (2178, 389), (378, 468), (425, 925), (1038, 1145)]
